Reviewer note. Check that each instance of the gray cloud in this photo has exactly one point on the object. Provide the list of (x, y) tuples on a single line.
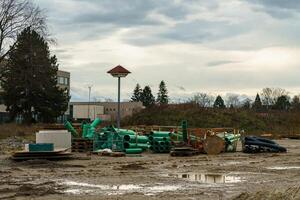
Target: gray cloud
[(277, 8), (219, 62), (204, 30)]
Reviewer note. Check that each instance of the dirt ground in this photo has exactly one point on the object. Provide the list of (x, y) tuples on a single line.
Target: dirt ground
[(156, 176)]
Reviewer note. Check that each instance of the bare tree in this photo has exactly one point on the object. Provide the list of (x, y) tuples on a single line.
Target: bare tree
[(233, 100), (270, 95), (15, 15), (203, 100)]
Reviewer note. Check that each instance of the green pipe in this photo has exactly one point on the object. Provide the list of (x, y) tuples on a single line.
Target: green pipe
[(128, 145), (70, 128), (125, 132), (134, 151), (184, 130), (136, 138), (159, 138), (96, 122), (85, 128), (159, 133)]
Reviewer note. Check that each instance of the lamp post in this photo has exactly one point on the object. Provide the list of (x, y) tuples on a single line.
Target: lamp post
[(90, 87), (119, 72)]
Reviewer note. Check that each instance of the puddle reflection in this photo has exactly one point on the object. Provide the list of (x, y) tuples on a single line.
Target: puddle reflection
[(208, 177)]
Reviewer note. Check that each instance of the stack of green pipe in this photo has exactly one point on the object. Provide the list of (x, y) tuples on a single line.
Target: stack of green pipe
[(230, 141), (134, 144), (160, 141), (107, 138)]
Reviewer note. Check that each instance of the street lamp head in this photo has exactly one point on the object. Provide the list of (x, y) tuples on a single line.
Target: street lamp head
[(119, 72)]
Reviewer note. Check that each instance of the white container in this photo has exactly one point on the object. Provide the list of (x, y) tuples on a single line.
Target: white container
[(60, 138)]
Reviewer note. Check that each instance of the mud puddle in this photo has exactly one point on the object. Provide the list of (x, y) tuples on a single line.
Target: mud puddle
[(283, 167), (208, 178), (79, 188)]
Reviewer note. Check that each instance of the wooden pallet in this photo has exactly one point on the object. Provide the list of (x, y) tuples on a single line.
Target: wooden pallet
[(82, 145), (184, 151), (48, 155)]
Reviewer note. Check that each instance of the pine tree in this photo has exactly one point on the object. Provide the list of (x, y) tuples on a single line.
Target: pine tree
[(30, 78), (137, 93), (162, 95), (219, 102), (147, 97), (257, 105)]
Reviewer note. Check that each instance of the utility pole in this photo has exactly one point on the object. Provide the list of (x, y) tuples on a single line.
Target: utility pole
[(90, 88)]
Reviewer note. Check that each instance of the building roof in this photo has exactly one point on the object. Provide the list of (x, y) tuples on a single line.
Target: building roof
[(119, 70)]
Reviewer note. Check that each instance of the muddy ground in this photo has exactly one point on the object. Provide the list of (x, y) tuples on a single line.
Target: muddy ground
[(156, 176)]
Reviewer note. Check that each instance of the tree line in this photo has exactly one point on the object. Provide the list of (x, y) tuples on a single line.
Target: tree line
[(146, 97), (267, 99)]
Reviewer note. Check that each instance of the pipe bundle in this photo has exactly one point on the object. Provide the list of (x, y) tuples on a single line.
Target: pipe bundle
[(253, 144), (134, 144), (160, 141), (230, 141)]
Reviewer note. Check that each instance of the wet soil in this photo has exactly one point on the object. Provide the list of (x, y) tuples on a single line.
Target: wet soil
[(236, 176)]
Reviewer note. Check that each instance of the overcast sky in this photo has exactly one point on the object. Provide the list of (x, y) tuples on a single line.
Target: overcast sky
[(218, 47)]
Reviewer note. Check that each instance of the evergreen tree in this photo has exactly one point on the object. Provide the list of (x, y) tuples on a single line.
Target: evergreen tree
[(147, 97), (162, 95), (30, 80), (137, 93), (283, 103), (257, 105), (219, 102)]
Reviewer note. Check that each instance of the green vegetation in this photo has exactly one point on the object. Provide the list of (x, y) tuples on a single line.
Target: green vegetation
[(276, 122)]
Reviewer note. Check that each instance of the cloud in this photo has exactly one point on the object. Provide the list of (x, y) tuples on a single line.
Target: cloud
[(232, 46), (219, 62), (277, 8)]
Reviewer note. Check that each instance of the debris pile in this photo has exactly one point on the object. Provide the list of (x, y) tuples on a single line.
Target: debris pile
[(13, 143)]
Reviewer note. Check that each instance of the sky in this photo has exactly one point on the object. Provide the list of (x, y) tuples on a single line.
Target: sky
[(216, 47)]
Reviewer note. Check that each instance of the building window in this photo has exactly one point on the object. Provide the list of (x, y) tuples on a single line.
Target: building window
[(66, 81), (61, 80)]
